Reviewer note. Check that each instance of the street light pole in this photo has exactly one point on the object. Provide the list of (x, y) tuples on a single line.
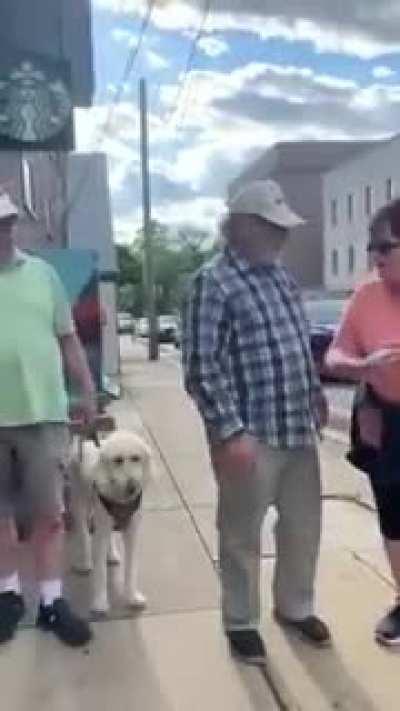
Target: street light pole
[(147, 230)]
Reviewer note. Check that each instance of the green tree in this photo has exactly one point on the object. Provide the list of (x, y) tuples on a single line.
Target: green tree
[(130, 280), (176, 255), (129, 266)]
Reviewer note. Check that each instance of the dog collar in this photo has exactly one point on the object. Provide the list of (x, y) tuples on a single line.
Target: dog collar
[(121, 512)]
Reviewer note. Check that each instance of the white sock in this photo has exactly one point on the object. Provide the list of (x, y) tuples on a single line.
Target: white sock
[(10, 583), (50, 590)]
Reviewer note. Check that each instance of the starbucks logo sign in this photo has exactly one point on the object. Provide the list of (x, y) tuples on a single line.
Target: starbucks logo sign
[(35, 103)]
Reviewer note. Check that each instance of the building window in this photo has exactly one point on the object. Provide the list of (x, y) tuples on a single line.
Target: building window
[(334, 215), (350, 206), (352, 259), (335, 262), (368, 200), (389, 189), (28, 188)]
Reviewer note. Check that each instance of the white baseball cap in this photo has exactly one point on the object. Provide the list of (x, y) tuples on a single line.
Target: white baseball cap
[(7, 207), (265, 199)]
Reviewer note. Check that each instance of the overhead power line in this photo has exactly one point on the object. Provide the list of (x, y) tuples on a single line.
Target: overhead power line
[(102, 132), (182, 88), (129, 65)]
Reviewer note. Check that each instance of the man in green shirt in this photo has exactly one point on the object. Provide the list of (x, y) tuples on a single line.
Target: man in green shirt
[(37, 343)]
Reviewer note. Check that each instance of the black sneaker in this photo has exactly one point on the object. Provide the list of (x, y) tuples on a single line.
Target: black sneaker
[(388, 629), (247, 645), (12, 609), (310, 628), (68, 627)]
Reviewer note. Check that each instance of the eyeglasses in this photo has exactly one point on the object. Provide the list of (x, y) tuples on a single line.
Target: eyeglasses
[(384, 247)]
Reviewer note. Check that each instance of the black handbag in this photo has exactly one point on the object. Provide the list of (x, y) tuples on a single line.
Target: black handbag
[(381, 464), (361, 455)]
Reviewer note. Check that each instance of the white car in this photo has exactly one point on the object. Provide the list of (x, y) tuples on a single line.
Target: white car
[(125, 322), (143, 327)]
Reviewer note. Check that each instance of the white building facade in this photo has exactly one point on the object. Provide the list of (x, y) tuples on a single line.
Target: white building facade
[(352, 192)]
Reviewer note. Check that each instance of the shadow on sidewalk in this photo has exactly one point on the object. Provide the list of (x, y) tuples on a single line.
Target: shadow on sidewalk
[(331, 676)]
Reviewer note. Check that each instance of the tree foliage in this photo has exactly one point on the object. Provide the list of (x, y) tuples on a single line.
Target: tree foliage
[(176, 255)]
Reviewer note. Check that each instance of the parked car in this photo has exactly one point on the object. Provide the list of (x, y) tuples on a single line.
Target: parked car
[(125, 322), (167, 327), (142, 327), (324, 317)]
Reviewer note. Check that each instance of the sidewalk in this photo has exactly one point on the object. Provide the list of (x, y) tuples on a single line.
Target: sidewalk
[(174, 657), (170, 658), (354, 582)]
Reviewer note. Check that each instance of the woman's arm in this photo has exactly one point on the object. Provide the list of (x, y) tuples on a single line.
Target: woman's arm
[(346, 367)]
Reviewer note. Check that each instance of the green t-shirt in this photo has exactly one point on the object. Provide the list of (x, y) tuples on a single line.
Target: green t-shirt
[(34, 313)]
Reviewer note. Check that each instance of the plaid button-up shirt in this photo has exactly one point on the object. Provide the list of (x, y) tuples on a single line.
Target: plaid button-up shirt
[(246, 353)]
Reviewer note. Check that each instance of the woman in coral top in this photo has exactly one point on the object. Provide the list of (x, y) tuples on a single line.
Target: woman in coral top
[(367, 349)]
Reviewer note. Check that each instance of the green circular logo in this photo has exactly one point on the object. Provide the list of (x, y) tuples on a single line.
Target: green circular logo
[(35, 105)]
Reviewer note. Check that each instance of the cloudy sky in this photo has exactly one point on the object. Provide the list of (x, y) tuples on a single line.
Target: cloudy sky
[(303, 69)]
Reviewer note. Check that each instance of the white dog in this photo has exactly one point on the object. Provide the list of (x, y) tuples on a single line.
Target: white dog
[(107, 483)]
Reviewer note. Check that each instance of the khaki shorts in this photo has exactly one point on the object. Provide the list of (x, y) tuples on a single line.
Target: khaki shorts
[(33, 466)]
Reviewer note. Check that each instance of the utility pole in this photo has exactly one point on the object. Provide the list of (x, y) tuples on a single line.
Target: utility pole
[(147, 231)]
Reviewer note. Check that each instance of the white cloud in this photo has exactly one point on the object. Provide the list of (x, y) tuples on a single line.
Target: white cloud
[(377, 96), (204, 212), (123, 36), (270, 81), (130, 39), (227, 120), (155, 60), (116, 142), (366, 28), (232, 117), (337, 39), (382, 72), (126, 227), (213, 46)]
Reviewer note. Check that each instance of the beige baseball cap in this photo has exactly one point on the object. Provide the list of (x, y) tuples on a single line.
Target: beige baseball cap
[(265, 199), (7, 207)]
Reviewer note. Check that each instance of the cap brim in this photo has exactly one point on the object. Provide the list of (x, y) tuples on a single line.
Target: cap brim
[(284, 217), (9, 216)]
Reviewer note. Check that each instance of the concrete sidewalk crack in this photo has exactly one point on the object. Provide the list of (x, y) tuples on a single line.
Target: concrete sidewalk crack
[(372, 568)]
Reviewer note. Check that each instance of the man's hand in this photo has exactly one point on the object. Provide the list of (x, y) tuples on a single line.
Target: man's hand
[(88, 408), (76, 365), (236, 456)]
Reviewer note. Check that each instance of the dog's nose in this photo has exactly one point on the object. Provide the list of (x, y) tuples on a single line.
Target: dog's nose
[(130, 488)]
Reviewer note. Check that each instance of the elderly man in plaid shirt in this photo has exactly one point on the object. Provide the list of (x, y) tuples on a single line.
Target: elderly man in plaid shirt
[(248, 366)]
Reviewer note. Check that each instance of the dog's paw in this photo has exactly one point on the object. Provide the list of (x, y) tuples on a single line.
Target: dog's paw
[(99, 615), (114, 550), (100, 609), (136, 600), (113, 558)]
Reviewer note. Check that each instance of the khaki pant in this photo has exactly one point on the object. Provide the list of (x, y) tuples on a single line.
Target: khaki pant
[(289, 480)]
